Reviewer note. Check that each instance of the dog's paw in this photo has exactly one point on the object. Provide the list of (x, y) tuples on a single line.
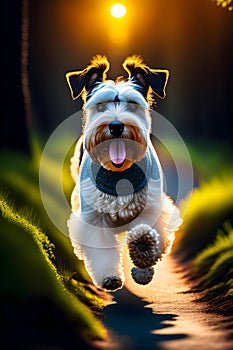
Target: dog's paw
[(112, 283), (142, 276), (144, 245)]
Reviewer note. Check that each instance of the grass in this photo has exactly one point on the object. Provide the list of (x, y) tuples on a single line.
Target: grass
[(205, 238), (30, 283), (214, 267), (83, 294), (210, 206), (44, 287), (223, 244), (19, 182)]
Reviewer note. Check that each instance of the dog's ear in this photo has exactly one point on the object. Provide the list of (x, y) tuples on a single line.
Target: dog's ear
[(145, 77), (86, 79)]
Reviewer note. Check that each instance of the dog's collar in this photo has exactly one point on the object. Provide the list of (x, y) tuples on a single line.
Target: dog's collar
[(130, 180)]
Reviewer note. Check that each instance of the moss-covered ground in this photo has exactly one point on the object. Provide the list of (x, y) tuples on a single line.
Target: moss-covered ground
[(46, 296)]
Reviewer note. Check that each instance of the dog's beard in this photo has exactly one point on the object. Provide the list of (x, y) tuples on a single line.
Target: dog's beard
[(116, 154)]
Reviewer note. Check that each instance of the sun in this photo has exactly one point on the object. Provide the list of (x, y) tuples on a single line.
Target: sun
[(118, 10)]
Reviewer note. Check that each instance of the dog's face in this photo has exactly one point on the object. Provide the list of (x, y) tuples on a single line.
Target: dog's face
[(116, 133), (117, 120)]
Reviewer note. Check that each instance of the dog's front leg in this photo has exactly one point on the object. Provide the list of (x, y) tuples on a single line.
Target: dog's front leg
[(145, 238), (150, 235), (104, 266), (99, 250)]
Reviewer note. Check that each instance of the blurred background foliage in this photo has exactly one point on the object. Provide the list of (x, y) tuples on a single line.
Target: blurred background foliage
[(225, 3)]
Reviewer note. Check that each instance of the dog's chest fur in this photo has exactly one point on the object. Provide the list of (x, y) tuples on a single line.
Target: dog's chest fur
[(123, 195), (123, 207), (119, 195)]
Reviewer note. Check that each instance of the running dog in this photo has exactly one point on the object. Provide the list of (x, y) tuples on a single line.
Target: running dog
[(118, 198)]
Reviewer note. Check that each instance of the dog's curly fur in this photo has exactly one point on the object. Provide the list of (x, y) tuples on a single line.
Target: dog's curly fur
[(119, 184)]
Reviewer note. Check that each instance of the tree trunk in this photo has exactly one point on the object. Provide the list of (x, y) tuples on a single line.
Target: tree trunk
[(14, 128)]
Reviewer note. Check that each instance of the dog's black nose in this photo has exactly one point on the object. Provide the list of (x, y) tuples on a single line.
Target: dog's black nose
[(116, 128)]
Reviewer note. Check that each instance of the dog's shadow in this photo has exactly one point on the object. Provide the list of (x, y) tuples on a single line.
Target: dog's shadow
[(130, 324)]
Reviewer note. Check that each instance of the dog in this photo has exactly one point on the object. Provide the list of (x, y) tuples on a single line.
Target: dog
[(118, 198)]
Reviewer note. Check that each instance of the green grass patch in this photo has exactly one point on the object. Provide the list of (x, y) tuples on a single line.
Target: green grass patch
[(209, 207), (19, 182), (206, 240), (214, 266), (29, 281), (41, 277), (80, 290), (223, 244)]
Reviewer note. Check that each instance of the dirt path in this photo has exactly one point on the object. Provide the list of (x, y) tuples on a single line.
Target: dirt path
[(161, 316)]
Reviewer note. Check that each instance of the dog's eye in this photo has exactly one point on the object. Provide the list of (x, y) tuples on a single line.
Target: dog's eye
[(101, 107), (132, 106)]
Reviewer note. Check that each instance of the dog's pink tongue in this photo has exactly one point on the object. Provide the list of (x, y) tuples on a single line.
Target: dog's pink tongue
[(117, 151)]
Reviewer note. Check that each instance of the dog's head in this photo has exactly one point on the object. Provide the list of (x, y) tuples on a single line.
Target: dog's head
[(117, 116)]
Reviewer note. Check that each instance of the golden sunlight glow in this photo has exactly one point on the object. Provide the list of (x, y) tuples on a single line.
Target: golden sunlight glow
[(118, 10)]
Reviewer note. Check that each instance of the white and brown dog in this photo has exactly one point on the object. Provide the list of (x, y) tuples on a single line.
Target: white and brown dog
[(119, 182)]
